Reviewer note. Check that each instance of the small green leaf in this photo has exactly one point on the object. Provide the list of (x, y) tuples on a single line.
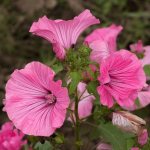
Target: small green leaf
[(75, 79), (57, 67), (59, 138), (92, 88), (46, 146), (137, 102), (147, 70)]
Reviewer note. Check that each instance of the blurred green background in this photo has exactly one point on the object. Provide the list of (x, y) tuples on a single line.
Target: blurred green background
[(18, 46)]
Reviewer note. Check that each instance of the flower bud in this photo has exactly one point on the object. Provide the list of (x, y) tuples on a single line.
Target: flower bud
[(143, 137), (128, 122)]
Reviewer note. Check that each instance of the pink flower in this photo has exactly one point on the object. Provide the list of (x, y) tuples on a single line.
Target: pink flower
[(34, 102), (10, 138), (86, 101), (137, 47), (144, 97), (104, 146), (103, 42), (143, 137), (85, 104), (146, 58), (63, 34), (121, 77)]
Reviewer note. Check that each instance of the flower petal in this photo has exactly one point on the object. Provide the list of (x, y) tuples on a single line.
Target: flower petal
[(63, 34), (146, 59), (123, 76), (103, 42), (106, 99)]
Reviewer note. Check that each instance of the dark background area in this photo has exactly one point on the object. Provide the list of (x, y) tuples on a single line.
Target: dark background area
[(18, 46)]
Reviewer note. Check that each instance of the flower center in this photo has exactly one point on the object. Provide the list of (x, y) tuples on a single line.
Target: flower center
[(50, 98), (146, 88)]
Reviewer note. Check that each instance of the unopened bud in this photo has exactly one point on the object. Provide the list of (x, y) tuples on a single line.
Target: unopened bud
[(128, 122)]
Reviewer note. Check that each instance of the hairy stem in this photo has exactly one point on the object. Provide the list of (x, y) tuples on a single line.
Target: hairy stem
[(77, 125)]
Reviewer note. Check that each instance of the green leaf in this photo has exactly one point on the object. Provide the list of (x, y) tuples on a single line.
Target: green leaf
[(59, 139), (46, 146), (137, 102), (147, 145), (147, 70), (92, 88), (94, 133), (75, 79), (114, 136), (130, 143), (57, 67)]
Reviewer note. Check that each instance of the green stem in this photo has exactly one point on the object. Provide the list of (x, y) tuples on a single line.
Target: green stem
[(77, 125)]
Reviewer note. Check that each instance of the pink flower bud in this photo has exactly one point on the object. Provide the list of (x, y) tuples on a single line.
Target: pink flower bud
[(143, 137)]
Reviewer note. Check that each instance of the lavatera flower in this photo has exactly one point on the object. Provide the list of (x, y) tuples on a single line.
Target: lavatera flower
[(121, 77), (145, 50), (102, 41), (63, 34), (34, 102), (11, 138)]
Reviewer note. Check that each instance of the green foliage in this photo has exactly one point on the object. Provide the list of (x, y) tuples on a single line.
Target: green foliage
[(47, 55), (100, 112), (75, 79), (147, 146), (78, 59), (130, 143), (107, 6), (46, 146), (115, 136), (59, 139), (147, 70), (58, 67), (92, 88)]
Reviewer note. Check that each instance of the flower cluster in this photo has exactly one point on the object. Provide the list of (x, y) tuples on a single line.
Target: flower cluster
[(11, 138), (36, 101)]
